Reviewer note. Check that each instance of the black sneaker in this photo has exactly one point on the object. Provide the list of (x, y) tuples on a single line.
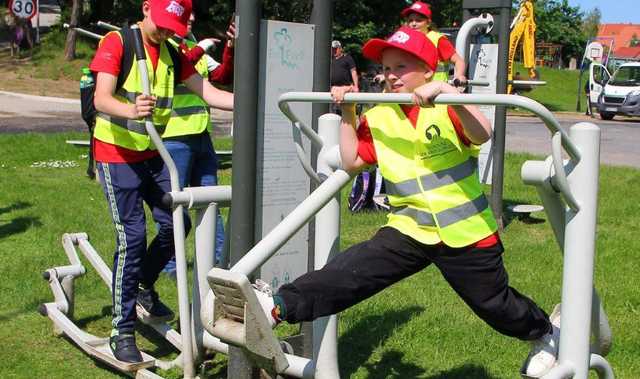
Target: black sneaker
[(124, 348), (151, 308)]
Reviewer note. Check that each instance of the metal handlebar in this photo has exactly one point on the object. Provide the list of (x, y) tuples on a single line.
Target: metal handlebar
[(141, 59), (561, 139), (468, 83), (107, 26), (484, 20), (83, 31), (561, 177)]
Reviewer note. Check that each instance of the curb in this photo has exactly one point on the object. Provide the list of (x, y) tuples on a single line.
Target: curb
[(48, 99)]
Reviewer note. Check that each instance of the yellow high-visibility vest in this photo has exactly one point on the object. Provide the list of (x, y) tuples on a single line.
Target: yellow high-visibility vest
[(430, 177), (442, 70), (190, 114), (131, 134)]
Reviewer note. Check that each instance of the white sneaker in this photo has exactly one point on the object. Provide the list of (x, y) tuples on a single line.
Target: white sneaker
[(544, 351), (265, 297)]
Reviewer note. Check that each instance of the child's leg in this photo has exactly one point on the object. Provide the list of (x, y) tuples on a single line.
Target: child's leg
[(352, 276), (479, 277)]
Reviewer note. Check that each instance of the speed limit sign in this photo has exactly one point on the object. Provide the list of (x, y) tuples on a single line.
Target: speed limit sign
[(23, 8)]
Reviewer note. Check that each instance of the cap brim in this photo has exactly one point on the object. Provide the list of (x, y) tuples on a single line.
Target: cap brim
[(406, 11), (160, 19), (374, 48)]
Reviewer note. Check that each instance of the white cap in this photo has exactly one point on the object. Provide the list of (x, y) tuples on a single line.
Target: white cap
[(336, 44)]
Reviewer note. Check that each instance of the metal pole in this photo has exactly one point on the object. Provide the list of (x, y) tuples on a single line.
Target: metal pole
[(321, 17), (188, 368), (325, 329), (499, 131), (245, 119), (579, 252), (38, 21)]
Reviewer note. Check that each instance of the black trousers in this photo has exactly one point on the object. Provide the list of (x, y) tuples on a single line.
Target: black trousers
[(476, 274)]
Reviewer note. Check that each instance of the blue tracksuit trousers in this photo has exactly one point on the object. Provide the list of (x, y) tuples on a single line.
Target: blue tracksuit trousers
[(127, 186)]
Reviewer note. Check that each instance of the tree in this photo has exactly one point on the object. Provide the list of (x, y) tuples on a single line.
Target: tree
[(558, 22), (70, 44), (591, 22)]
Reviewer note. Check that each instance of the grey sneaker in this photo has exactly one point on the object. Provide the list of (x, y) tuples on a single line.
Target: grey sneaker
[(151, 308), (544, 351)]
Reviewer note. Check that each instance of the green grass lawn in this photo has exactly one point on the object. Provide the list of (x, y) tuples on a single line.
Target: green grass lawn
[(416, 329), (561, 90)]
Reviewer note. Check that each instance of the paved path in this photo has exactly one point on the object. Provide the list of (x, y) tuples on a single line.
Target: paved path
[(21, 113), (620, 138)]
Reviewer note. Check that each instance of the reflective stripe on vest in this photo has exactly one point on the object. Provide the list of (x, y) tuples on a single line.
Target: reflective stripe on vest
[(131, 134), (190, 114), (447, 217), (432, 181), (442, 69), (430, 177), (161, 102), (134, 126)]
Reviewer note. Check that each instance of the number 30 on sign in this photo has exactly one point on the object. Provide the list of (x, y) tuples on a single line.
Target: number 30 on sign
[(23, 8)]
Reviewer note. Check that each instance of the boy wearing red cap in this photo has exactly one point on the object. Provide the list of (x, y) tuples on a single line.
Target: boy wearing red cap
[(130, 168), (418, 16), (439, 213)]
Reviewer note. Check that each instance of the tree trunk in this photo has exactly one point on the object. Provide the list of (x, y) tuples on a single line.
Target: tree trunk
[(70, 44)]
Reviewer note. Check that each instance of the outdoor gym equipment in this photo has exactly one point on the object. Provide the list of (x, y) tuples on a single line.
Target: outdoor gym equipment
[(234, 320), (568, 189)]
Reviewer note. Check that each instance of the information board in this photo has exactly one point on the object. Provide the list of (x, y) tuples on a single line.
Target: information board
[(286, 64), (483, 66)]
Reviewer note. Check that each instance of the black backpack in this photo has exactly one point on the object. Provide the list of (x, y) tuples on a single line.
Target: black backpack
[(88, 108)]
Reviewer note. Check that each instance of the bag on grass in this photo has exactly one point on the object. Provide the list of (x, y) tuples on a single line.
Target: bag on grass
[(366, 186)]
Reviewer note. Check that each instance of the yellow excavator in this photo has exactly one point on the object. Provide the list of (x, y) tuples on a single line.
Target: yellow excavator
[(523, 28)]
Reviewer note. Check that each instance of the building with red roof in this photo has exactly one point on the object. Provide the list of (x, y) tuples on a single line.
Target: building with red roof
[(623, 36)]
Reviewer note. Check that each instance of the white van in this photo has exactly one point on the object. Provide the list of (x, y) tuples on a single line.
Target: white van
[(617, 94)]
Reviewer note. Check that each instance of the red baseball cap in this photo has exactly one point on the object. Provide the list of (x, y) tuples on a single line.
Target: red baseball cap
[(406, 39), (171, 14), (417, 7)]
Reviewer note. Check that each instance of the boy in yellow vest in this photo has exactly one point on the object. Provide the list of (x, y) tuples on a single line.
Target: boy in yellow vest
[(418, 16), (439, 213), (187, 135), (130, 168)]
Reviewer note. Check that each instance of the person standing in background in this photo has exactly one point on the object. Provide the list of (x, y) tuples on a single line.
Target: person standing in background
[(418, 16), (187, 136), (343, 71)]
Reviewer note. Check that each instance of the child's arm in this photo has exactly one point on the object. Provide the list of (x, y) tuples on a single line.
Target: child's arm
[(106, 103), (351, 161), (476, 127), (214, 97), (459, 67)]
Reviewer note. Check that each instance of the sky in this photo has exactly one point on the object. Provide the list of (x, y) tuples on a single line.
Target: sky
[(613, 11)]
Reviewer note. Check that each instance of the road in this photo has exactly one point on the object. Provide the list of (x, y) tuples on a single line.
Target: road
[(619, 144), (620, 137)]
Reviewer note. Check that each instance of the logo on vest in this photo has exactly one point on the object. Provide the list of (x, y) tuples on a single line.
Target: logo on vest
[(435, 144), (175, 8), (432, 131), (399, 37)]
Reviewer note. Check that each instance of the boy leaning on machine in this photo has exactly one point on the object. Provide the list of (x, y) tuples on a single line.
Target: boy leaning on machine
[(439, 214)]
